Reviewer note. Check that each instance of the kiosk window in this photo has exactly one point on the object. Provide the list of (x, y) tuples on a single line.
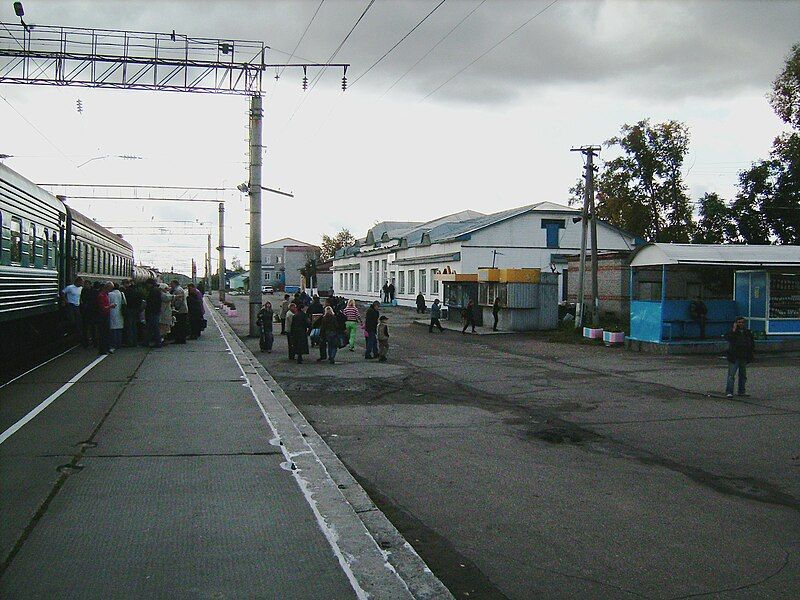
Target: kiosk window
[(784, 296)]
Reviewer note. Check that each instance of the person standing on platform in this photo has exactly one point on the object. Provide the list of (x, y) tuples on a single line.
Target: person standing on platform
[(329, 334), (194, 301), (116, 320), (299, 333), (133, 308), (495, 312), (284, 311), (88, 301), (436, 314), (353, 319), (104, 307), (421, 308), (72, 298), (386, 293), (264, 321), (152, 315), (698, 311), (288, 320), (741, 349), (391, 292), (383, 338), (371, 328), (166, 319), (468, 317), (181, 309)]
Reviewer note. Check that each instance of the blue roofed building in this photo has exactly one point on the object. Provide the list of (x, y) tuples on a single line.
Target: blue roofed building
[(410, 254)]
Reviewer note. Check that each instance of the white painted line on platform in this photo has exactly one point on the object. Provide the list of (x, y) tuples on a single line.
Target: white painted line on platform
[(329, 534), (37, 366), (50, 399)]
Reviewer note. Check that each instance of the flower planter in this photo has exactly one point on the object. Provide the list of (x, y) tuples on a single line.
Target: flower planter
[(613, 338), (592, 334)]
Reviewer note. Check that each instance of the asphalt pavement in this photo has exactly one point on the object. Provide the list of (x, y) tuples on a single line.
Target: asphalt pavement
[(520, 468)]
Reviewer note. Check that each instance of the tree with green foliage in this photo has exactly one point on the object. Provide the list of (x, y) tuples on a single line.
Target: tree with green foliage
[(330, 245), (767, 206), (716, 224), (642, 191)]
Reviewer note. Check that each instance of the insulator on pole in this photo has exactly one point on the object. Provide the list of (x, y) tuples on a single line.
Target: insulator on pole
[(344, 78), (305, 78)]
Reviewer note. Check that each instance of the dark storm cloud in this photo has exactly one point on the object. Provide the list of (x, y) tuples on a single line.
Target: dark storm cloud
[(651, 49)]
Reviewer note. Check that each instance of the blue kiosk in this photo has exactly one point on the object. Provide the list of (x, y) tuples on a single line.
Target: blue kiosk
[(761, 283)]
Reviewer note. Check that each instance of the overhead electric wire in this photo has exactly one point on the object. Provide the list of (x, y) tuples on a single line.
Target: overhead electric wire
[(436, 45), (400, 41), (457, 73), (319, 75), (297, 45), (39, 131)]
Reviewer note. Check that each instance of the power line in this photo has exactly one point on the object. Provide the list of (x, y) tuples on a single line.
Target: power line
[(488, 51), (39, 131), (319, 75), (297, 45), (436, 45), (400, 41)]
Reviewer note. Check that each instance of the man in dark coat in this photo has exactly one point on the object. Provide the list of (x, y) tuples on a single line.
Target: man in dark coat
[(152, 314), (89, 311), (299, 333), (741, 347), (371, 327), (698, 312), (391, 292), (386, 292), (194, 301), (468, 317), (421, 308), (133, 307)]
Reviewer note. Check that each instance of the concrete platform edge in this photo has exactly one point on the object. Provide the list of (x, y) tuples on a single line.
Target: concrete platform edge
[(382, 563)]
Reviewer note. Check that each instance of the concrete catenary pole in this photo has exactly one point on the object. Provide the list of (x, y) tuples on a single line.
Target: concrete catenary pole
[(256, 118), (221, 266), (590, 195), (208, 265)]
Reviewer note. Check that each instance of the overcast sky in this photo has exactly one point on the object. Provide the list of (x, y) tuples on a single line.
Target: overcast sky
[(494, 137)]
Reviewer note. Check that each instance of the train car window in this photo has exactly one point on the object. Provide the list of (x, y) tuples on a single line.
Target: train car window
[(2, 236), (31, 245), (54, 251), (16, 240), (46, 249)]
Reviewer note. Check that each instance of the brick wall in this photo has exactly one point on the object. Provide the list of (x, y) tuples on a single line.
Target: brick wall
[(613, 280)]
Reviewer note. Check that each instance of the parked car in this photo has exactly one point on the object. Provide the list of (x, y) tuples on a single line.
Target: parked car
[(267, 289)]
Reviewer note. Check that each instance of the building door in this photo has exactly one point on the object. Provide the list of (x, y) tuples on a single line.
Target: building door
[(750, 294)]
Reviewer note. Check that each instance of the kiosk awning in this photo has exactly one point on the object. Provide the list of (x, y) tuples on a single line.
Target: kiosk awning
[(716, 255)]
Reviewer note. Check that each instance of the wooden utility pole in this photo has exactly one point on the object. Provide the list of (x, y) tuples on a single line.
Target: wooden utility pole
[(221, 266)]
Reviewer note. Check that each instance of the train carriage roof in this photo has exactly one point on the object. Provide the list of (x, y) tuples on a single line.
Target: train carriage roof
[(14, 179), (97, 228)]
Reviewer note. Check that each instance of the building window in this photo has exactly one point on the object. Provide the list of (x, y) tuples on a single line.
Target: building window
[(423, 281), (369, 275), (341, 281), (357, 286), (266, 276), (383, 273), (434, 282), (402, 283), (16, 240), (352, 281), (411, 281), (553, 226)]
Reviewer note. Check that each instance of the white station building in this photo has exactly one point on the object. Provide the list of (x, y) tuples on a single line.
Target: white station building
[(539, 235)]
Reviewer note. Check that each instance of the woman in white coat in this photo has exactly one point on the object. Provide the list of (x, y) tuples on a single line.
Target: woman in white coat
[(116, 321)]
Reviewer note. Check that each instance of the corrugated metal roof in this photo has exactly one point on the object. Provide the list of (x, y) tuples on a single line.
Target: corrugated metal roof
[(716, 254)]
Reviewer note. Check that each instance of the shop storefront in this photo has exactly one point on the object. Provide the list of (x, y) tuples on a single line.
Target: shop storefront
[(769, 300)]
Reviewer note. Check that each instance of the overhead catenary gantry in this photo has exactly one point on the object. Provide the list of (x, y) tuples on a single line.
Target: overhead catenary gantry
[(137, 60)]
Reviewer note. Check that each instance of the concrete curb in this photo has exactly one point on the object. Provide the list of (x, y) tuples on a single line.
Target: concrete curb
[(382, 562)]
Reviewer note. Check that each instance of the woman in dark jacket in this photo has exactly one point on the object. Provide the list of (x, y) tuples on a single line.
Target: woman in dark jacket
[(329, 333), (299, 333)]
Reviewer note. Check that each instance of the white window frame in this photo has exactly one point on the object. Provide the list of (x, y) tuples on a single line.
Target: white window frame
[(412, 282), (401, 282)]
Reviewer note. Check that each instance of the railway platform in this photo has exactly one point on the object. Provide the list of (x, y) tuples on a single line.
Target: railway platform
[(183, 472)]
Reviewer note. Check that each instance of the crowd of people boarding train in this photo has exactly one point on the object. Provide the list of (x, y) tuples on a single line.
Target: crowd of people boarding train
[(108, 316), (331, 326)]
